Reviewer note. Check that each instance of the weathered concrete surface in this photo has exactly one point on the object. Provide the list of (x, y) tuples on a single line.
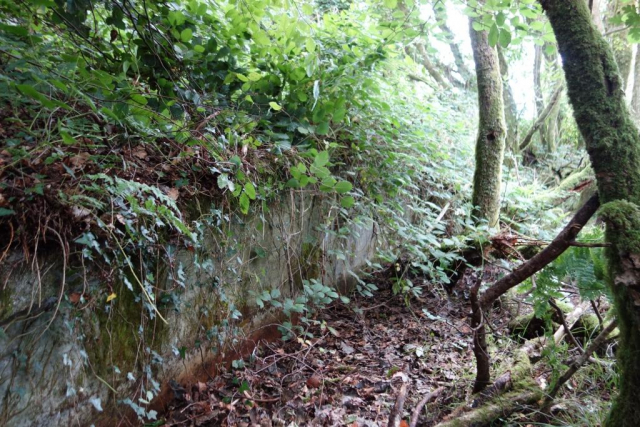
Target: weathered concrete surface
[(60, 362)]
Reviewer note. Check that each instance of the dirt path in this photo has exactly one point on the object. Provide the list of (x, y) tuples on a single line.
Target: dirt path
[(349, 375)]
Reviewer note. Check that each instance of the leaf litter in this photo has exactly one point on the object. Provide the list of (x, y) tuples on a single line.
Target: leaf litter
[(348, 374)]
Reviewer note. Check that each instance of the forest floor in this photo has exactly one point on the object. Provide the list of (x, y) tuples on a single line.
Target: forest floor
[(352, 375)]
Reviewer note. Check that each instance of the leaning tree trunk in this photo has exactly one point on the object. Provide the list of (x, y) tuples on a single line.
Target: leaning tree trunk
[(596, 92), (491, 128)]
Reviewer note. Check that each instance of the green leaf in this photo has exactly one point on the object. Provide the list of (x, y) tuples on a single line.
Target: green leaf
[(347, 202), (537, 25), (319, 171), (67, 138), (186, 35), (391, 4), (322, 128), (343, 187), (550, 49), (293, 183), (6, 212), (244, 203), (321, 159), (139, 99), (505, 38), (493, 35), (311, 45), (275, 106), (250, 190)]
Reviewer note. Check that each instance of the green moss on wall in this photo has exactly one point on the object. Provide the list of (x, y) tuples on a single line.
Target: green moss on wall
[(5, 303)]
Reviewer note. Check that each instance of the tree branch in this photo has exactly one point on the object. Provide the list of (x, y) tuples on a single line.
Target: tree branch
[(429, 397), (545, 257), (597, 342), (555, 98)]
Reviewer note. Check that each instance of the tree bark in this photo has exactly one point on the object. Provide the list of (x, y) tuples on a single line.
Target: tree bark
[(596, 92), (622, 50), (555, 98), (553, 125), (428, 65), (480, 350), (510, 106), (491, 129), (440, 11), (635, 94), (594, 5), (562, 241), (537, 90), (581, 360)]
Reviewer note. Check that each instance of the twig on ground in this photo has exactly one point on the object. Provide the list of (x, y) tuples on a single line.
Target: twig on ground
[(564, 324), (429, 397), (396, 413), (575, 365), (597, 312)]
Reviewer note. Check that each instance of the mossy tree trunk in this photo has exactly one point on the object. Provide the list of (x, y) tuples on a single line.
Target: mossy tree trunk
[(491, 128), (510, 106), (596, 91)]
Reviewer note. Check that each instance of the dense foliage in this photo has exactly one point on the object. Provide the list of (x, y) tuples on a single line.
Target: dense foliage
[(132, 130)]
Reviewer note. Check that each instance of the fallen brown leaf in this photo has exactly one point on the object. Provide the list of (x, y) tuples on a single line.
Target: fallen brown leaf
[(314, 381)]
